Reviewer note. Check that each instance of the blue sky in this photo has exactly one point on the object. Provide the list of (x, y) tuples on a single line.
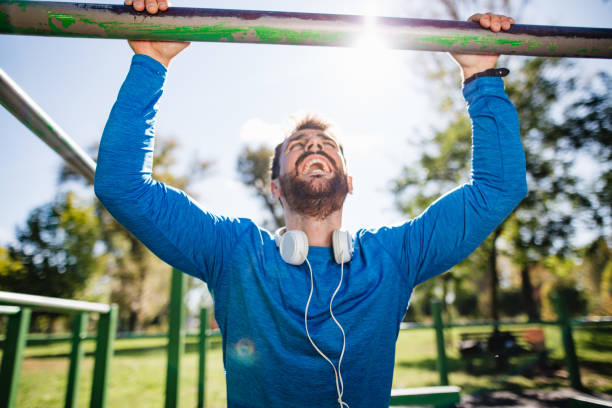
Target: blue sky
[(220, 97)]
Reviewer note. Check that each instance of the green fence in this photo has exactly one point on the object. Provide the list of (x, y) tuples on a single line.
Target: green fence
[(19, 314), (19, 310)]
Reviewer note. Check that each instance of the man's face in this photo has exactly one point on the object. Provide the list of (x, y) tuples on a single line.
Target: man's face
[(313, 178)]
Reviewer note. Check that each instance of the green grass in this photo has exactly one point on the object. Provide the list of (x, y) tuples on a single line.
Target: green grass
[(138, 370)]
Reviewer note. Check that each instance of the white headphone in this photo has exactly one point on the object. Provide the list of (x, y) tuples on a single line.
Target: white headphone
[(293, 245)]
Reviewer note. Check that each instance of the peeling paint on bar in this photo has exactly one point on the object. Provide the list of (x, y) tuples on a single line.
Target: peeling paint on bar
[(271, 27)]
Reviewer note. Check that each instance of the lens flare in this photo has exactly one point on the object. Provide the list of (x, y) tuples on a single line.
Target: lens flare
[(244, 351)]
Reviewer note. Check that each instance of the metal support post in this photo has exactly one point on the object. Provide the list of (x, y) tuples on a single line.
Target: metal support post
[(441, 363), (107, 328), (571, 360), (273, 27), (176, 338), (12, 355), (79, 333), (202, 362)]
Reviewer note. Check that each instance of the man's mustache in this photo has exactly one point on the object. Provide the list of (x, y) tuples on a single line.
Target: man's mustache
[(305, 155)]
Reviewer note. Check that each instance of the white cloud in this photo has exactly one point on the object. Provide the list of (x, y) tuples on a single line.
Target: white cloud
[(256, 132)]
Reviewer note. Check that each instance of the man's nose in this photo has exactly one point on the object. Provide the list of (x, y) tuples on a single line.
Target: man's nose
[(314, 144)]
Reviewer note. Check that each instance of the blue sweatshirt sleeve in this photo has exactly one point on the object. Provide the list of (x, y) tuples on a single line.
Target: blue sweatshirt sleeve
[(166, 220), (456, 224)]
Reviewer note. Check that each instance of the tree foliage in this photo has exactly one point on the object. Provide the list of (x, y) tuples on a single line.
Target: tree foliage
[(561, 198), (254, 167), (55, 250)]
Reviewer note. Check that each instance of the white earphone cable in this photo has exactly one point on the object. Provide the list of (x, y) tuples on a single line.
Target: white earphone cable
[(337, 374)]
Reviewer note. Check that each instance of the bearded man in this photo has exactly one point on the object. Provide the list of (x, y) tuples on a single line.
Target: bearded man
[(309, 315)]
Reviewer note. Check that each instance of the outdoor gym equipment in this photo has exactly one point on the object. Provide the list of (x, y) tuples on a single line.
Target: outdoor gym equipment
[(263, 27), (273, 27)]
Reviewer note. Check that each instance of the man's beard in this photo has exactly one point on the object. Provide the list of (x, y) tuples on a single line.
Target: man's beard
[(314, 201)]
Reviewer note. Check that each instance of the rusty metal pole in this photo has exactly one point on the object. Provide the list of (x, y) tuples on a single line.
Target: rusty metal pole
[(272, 27)]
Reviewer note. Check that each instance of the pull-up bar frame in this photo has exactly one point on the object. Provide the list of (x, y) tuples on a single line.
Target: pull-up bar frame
[(24, 108), (273, 27)]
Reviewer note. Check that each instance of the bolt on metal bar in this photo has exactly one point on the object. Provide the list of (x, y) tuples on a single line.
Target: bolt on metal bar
[(19, 103), (272, 27), (50, 303)]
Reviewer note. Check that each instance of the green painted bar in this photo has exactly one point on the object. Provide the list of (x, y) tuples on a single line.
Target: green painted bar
[(441, 362), (272, 27), (176, 338), (571, 359), (79, 333), (12, 356), (202, 360), (107, 328)]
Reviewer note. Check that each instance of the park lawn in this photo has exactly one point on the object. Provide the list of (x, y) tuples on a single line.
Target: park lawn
[(138, 370)]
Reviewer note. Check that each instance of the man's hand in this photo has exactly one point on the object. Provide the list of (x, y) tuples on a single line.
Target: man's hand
[(162, 51), (473, 63)]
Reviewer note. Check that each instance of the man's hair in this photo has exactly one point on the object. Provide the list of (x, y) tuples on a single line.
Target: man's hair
[(306, 121)]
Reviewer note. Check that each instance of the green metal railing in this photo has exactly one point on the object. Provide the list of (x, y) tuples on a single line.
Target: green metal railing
[(19, 317), (19, 311)]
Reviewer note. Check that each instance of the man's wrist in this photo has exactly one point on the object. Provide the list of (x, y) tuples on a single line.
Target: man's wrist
[(164, 61), (491, 72), (467, 72)]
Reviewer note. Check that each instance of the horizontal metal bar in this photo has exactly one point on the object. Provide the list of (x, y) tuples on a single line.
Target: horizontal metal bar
[(9, 310), (272, 27), (51, 303), (19, 103)]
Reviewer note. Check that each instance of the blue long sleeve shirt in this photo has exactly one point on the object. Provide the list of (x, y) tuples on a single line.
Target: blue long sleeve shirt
[(260, 299)]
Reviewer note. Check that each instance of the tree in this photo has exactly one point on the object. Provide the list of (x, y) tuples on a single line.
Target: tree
[(558, 199), (55, 254), (254, 168), (55, 251)]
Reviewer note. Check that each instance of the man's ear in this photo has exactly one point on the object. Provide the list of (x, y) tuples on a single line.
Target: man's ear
[(349, 180), (275, 189)]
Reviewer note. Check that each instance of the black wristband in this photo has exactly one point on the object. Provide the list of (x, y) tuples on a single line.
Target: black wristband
[(493, 72)]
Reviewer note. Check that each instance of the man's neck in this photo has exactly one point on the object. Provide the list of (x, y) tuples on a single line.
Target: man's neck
[(319, 232)]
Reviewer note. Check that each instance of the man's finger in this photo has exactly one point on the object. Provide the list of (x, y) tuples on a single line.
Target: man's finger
[(495, 23), (127, 3), (485, 21), (475, 17), (151, 6), (139, 5), (163, 5)]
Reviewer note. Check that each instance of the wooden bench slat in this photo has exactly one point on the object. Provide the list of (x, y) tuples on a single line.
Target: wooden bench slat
[(588, 402), (439, 395)]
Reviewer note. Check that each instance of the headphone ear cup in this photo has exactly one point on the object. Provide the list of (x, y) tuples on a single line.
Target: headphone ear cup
[(293, 246), (343, 246)]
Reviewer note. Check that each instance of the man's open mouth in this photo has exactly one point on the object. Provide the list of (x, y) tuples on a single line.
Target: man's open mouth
[(316, 166)]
